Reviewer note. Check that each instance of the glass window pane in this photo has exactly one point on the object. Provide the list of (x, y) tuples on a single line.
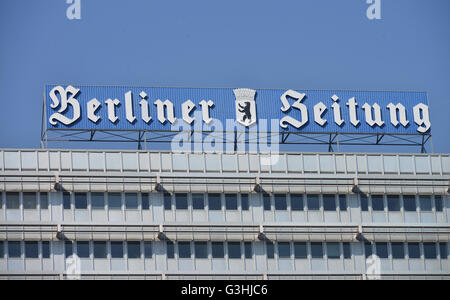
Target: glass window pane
[(425, 203), (377, 203), (280, 202), (29, 201), (393, 202), (145, 201), (382, 250), (248, 252), (316, 250), (66, 200), (409, 203), (44, 200), (244, 202), (131, 201), (413, 250), (100, 250), (214, 202), (313, 202), (116, 249), (443, 250), (438, 202), (2, 250), (217, 250), (333, 250), (46, 249), (167, 201), (68, 248), (201, 250), (83, 249), (181, 201), (398, 251), (270, 250), (115, 201), (97, 201), (14, 250), (342, 203), (12, 201), (429, 250), (184, 250), (368, 249), (300, 250), (284, 250), (170, 250), (148, 253), (231, 202), (329, 202), (134, 249), (296, 202), (31, 250), (347, 250), (364, 202), (234, 250), (198, 201), (266, 202), (80, 201)]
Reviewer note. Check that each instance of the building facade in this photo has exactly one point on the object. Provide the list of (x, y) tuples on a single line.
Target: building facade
[(165, 215)]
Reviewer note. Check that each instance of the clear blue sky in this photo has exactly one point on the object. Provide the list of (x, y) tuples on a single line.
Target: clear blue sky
[(308, 44)]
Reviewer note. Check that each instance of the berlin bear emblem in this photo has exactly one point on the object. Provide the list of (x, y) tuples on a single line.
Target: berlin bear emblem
[(245, 106)]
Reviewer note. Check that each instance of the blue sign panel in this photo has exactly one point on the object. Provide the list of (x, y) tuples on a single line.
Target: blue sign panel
[(312, 111)]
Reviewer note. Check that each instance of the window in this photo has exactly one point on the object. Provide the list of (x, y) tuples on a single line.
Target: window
[(248, 251), (134, 249), (382, 250), (333, 250), (270, 250), (377, 203), (31, 249), (231, 201), (66, 201), (100, 250), (80, 201), (244, 202), (316, 250), (97, 201), (438, 202), (14, 250), (280, 202), (170, 250), (217, 250), (429, 250), (300, 250), (12, 201), (425, 203), (214, 202), (368, 249), (167, 201), (46, 249), (115, 201), (181, 201), (347, 250), (296, 202), (284, 250), (443, 250), (413, 250), (234, 250), (145, 201), (2, 250), (131, 201), (201, 250), (313, 202), (266, 202), (329, 203), (409, 203), (398, 251), (83, 249), (364, 202), (393, 203), (148, 253), (68, 248), (198, 201), (184, 250), (29, 201), (116, 249), (342, 203), (44, 200)]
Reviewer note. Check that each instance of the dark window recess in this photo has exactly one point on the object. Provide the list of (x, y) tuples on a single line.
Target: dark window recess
[(134, 250), (181, 201), (266, 202), (97, 201), (131, 201), (438, 202), (329, 202), (377, 203), (313, 202), (214, 202), (347, 250), (100, 250), (68, 248), (393, 203), (234, 250), (44, 200), (333, 250), (184, 250), (296, 202), (170, 250), (148, 253), (398, 251), (14, 250), (83, 249), (12, 201), (382, 250), (116, 249), (316, 250), (2, 250), (248, 251), (413, 250), (201, 250), (29, 201), (115, 201), (46, 249), (66, 201), (342, 203), (300, 250), (231, 202), (270, 250), (409, 203), (443, 249), (284, 250), (429, 250), (425, 203), (244, 202), (80, 201), (368, 249), (145, 201), (280, 202), (167, 201), (31, 249), (217, 250), (198, 201), (364, 202)]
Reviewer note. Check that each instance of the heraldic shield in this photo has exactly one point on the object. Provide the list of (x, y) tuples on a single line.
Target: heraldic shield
[(245, 106)]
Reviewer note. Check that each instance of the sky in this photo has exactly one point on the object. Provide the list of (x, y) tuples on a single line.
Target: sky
[(286, 44)]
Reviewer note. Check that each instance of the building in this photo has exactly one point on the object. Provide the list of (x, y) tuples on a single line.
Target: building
[(166, 215)]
